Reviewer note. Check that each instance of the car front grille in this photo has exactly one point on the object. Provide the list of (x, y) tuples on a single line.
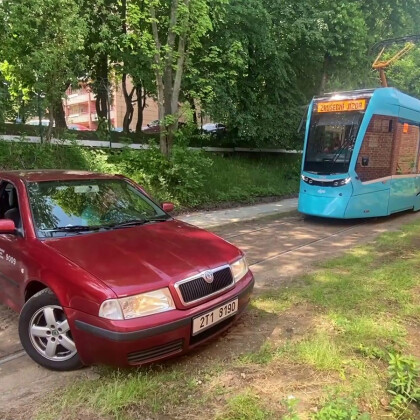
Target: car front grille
[(197, 288), (157, 352)]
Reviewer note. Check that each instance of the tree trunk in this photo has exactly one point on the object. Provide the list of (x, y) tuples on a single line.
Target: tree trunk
[(194, 110), (129, 108), (48, 135), (168, 81), (102, 86), (58, 114), (141, 104)]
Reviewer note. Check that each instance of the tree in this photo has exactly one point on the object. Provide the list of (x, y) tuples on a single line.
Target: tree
[(42, 49), (243, 75), (135, 65), (405, 74), (174, 31), (102, 48)]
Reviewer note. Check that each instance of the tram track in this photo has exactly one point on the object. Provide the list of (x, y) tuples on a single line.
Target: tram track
[(312, 242), (12, 356), (248, 232)]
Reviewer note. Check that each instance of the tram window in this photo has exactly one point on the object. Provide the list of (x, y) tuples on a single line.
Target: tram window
[(375, 156), (331, 141), (406, 149)]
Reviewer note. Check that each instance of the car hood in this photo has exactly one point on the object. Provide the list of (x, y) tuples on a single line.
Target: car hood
[(141, 258)]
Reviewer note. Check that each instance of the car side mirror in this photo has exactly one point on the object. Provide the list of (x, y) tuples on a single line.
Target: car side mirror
[(7, 226), (168, 207)]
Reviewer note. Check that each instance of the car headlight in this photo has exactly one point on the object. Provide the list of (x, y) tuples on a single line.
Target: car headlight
[(137, 306), (239, 268)]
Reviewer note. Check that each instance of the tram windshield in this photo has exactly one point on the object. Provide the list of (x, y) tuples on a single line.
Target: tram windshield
[(331, 142)]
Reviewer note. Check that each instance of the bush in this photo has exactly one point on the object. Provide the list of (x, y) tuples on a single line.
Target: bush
[(179, 178), (188, 178), (21, 155)]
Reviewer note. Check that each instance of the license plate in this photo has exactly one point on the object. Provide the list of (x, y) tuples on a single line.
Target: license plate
[(213, 317)]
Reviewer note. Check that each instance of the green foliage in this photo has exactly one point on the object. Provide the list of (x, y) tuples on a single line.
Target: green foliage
[(243, 179), (41, 47), (340, 409), (188, 178), (6, 104), (252, 64), (179, 177), (405, 73), (244, 78), (403, 373), (21, 155)]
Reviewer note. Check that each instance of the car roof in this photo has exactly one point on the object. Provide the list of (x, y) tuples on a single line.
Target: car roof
[(52, 175)]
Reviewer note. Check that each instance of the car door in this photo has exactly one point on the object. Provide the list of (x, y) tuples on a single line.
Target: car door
[(12, 267)]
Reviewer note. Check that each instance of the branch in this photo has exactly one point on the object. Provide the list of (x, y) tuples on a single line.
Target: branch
[(172, 23), (155, 36)]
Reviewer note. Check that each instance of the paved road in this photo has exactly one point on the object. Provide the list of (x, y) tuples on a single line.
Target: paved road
[(277, 249)]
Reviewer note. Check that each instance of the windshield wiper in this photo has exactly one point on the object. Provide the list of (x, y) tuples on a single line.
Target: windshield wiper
[(135, 222), (75, 228)]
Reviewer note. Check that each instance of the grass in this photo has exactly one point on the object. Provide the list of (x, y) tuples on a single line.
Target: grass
[(116, 391), (245, 406), (357, 306), (243, 179)]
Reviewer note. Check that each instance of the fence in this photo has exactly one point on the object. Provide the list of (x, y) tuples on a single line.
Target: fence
[(106, 144)]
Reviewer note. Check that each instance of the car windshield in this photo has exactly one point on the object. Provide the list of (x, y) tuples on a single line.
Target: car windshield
[(331, 141), (69, 207)]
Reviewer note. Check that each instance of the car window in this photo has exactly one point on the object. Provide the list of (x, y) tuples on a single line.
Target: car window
[(90, 203), (9, 204)]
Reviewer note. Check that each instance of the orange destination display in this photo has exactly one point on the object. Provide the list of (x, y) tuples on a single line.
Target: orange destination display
[(342, 106)]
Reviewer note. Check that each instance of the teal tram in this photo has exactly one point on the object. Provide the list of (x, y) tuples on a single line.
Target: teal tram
[(361, 155)]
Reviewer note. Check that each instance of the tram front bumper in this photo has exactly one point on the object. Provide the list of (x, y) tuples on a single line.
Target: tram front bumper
[(317, 205)]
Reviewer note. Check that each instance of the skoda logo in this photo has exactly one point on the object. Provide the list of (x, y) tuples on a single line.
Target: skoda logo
[(208, 277)]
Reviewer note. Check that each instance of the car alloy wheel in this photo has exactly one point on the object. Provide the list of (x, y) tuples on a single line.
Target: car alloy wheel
[(50, 334), (45, 333)]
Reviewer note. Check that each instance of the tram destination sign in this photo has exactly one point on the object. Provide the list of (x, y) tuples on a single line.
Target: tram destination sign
[(342, 106)]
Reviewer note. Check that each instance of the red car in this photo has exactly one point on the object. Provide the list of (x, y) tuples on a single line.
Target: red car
[(103, 275)]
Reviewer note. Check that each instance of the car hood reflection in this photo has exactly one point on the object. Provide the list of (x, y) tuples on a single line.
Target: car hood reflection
[(140, 258)]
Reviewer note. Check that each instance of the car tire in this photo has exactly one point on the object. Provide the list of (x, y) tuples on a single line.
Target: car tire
[(45, 334)]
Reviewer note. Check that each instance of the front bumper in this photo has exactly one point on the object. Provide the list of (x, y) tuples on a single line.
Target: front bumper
[(148, 339), (316, 205)]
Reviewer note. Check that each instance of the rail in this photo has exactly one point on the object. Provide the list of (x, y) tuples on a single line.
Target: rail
[(136, 146)]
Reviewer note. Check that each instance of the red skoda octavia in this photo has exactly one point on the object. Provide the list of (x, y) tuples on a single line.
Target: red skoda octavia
[(102, 274)]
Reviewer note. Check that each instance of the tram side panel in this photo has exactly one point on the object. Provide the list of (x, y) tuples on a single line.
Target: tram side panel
[(387, 169), (403, 195), (373, 170)]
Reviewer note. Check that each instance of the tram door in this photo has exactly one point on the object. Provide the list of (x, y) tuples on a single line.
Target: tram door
[(405, 183)]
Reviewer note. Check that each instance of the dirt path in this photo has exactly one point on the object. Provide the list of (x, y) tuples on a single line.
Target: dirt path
[(278, 250)]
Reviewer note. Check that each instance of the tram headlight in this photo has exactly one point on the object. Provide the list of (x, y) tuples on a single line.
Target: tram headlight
[(345, 181), (304, 178)]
